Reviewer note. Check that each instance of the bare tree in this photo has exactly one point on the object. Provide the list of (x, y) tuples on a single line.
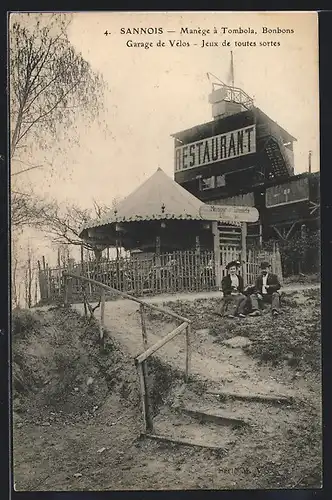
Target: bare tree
[(51, 84), (29, 210), (64, 225), (51, 87)]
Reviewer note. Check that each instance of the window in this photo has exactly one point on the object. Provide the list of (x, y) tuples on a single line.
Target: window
[(220, 181), (207, 183)]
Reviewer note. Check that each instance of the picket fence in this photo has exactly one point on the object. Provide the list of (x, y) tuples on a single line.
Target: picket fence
[(187, 271)]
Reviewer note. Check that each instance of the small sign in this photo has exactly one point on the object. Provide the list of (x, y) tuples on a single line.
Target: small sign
[(229, 213)]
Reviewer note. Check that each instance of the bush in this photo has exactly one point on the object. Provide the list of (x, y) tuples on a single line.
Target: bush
[(299, 254), (24, 322)]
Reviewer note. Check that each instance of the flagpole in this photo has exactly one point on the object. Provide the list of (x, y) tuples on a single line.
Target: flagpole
[(232, 68)]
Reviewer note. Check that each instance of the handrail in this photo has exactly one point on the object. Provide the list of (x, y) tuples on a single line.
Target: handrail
[(142, 357), (127, 296), (140, 360)]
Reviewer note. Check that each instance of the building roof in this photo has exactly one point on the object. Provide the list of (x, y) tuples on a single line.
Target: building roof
[(269, 120), (158, 198), (204, 127)]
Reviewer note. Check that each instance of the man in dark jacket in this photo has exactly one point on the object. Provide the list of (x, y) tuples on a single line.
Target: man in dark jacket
[(265, 290), (232, 287)]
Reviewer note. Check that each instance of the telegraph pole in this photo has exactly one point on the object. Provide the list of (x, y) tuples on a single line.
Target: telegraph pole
[(309, 161)]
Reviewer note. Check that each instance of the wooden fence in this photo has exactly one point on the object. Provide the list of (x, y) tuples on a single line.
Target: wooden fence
[(188, 271)]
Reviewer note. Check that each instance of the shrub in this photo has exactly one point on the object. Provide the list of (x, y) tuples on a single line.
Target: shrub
[(299, 254), (24, 322)]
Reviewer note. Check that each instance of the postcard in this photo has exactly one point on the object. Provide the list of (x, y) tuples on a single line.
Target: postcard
[(165, 274)]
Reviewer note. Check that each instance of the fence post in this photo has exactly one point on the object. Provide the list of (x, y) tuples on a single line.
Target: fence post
[(147, 418), (65, 291), (41, 282), (188, 352), (144, 336), (158, 264), (83, 284), (102, 318), (147, 403), (197, 263), (142, 388), (216, 248), (45, 278), (244, 251), (51, 282), (48, 282), (70, 282)]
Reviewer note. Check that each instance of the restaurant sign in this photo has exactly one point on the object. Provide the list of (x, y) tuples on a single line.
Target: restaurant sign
[(217, 148)]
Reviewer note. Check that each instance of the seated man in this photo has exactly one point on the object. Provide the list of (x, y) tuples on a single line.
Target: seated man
[(232, 287), (265, 290)]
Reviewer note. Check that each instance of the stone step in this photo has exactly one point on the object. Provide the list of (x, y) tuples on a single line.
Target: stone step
[(184, 442), (182, 427), (259, 397)]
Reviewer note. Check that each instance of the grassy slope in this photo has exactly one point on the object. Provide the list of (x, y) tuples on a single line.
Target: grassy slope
[(294, 336), (291, 346)]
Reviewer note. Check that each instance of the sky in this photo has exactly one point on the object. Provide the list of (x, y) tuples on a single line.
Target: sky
[(158, 91)]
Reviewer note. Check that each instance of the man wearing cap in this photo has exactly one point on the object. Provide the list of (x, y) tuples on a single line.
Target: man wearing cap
[(265, 290), (232, 287)]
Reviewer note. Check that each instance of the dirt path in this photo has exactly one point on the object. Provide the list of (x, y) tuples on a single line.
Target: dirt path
[(289, 288), (228, 367)]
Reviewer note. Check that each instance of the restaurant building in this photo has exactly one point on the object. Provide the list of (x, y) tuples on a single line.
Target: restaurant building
[(243, 157)]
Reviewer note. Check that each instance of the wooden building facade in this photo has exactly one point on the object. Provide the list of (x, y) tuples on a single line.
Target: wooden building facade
[(243, 157)]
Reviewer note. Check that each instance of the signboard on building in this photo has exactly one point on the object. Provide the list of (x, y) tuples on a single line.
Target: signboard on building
[(245, 200), (229, 213), (215, 149), (287, 193)]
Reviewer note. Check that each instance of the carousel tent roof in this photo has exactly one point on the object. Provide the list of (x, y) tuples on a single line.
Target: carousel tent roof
[(158, 198)]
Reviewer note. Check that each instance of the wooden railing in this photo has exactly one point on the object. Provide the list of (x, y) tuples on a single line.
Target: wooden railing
[(141, 366), (140, 360)]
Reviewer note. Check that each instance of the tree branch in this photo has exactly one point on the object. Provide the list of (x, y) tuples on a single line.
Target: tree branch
[(47, 112), (27, 169)]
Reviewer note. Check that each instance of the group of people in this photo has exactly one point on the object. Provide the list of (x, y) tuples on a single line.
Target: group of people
[(241, 301)]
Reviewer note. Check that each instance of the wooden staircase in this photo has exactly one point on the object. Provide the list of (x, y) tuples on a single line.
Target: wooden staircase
[(212, 419), (229, 235), (279, 165)]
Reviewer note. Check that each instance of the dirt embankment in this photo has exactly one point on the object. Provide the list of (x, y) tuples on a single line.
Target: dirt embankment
[(76, 406), (58, 362)]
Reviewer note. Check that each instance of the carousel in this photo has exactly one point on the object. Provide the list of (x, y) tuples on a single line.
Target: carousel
[(160, 226), (160, 216)]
